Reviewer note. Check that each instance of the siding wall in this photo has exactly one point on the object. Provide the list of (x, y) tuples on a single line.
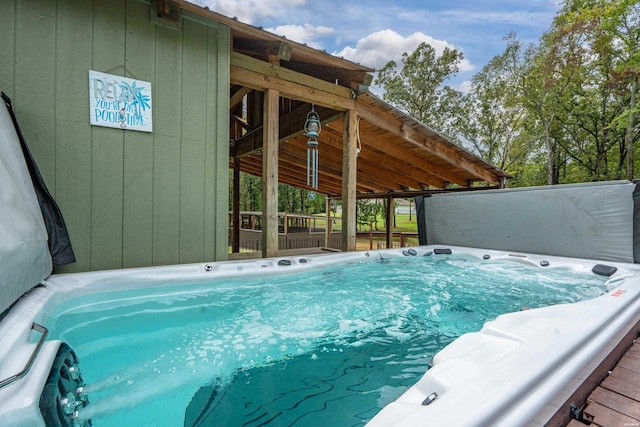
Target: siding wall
[(129, 198)]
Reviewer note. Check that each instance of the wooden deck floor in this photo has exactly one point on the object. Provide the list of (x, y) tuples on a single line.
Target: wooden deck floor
[(616, 401)]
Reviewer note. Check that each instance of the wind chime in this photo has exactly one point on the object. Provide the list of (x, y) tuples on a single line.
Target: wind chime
[(312, 129)]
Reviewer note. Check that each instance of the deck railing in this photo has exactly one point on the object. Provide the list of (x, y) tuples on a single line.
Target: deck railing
[(251, 240)]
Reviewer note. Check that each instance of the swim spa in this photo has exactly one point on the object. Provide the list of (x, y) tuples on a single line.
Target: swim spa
[(57, 367), (181, 345)]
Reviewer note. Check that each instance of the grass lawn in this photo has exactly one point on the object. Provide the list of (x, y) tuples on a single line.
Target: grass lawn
[(402, 223)]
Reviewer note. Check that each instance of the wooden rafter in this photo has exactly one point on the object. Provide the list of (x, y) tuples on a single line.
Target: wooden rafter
[(269, 50), (291, 125), (410, 134), (389, 162), (237, 95), (332, 74)]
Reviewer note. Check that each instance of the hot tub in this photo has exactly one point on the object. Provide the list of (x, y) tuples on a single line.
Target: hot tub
[(516, 370)]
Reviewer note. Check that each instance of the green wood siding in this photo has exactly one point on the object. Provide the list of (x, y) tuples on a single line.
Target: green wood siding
[(129, 198)]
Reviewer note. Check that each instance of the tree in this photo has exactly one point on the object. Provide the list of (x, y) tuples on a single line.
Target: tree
[(299, 200), (367, 212), (612, 28), (250, 192), (545, 85), (578, 94), (418, 89), (494, 123)]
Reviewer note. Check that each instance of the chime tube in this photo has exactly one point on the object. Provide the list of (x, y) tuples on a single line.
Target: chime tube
[(316, 172), (308, 165)]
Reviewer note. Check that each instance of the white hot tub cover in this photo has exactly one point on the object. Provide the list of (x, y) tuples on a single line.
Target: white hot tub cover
[(25, 254)]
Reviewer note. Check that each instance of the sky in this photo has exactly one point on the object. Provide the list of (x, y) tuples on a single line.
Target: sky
[(374, 32)]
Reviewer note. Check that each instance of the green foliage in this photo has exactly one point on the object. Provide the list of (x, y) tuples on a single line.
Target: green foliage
[(290, 199), (299, 200), (595, 44), (367, 212), (496, 128), (562, 110), (250, 192), (418, 86)]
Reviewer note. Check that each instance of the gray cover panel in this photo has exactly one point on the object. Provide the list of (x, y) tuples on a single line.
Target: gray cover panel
[(24, 253), (593, 220)]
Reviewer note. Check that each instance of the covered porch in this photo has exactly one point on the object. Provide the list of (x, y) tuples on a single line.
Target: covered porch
[(366, 147)]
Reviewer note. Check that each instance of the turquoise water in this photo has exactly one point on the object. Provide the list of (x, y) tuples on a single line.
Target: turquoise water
[(329, 346)]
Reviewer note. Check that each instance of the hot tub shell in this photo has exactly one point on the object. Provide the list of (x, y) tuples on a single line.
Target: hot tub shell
[(518, 370)]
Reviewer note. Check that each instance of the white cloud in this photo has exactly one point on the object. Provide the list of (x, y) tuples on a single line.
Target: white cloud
[(465, 87), (307, 33), (378, 48), (250, 11)]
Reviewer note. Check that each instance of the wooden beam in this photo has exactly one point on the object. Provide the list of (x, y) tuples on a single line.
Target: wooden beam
[(286, 176), (264, 48), (389, 220), (288, 89), (441, 149), (350, 78), (242, 122), (235, 221), (414, 193), (238, 96), (329, 167), (330, 184), (405, 161), (349, 179), (260, 75), (291, 125), (167, 10), (383, 162), (270, 175), (268, 70), (255, 108), (330, 153), (327, 228)]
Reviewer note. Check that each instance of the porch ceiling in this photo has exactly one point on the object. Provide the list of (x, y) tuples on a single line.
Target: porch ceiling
[(397, 153)]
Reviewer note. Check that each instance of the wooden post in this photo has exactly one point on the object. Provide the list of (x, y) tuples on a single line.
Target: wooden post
[(349, 177), (389, 222), (327, 229), (235, 221), (370, 235), (270, 174)]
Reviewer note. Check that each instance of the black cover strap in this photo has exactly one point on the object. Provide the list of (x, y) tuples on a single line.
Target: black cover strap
[(421, 219)]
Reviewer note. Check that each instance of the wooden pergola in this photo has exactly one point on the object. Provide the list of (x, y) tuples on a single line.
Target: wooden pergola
[(366, 147)]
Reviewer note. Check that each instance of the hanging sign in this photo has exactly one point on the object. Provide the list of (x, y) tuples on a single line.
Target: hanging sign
[(120, 102)]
